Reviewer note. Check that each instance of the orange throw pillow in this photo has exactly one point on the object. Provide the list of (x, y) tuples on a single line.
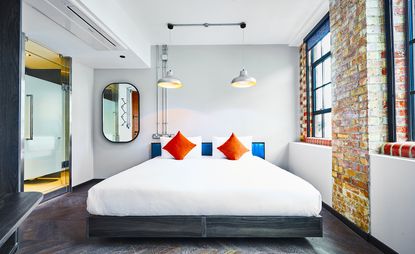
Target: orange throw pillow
[(233, 149), (179, 146)]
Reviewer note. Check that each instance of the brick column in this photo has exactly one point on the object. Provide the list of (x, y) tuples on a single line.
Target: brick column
[(303, 92), (359, 102)]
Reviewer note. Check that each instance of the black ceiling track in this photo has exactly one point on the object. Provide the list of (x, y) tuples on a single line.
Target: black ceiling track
[(242, 25)]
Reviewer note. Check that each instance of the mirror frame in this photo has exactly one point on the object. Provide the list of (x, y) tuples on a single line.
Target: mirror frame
[(102, 113)]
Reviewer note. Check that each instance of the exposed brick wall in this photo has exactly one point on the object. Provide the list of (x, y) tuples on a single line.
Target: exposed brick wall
[(359, 102), (303, 92), (318, 141), (399, 10)]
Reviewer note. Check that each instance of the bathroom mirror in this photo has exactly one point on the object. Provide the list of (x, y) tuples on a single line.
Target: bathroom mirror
[(120, 112)]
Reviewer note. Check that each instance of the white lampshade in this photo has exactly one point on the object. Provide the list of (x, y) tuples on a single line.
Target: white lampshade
[(169, 81), (243, 80)]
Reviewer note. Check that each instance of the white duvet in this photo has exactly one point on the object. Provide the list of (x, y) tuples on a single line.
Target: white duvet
[(250, 186)]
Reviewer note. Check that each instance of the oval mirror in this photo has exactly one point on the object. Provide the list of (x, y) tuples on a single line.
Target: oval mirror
[(120, 112)]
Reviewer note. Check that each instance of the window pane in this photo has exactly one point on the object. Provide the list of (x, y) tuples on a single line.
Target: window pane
[(316, 51), (327, 71), (412, 97), (327, 125), (325, 44), (327, 96), (413, 20), (413, 55), (318, 75), (318, 132), (309, 57), (318, 99)]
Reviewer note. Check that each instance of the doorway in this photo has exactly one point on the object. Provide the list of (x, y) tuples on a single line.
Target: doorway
[(46, 121)]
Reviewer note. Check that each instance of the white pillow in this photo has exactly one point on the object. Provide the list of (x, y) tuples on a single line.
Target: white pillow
[(196, 152), (218, 141)]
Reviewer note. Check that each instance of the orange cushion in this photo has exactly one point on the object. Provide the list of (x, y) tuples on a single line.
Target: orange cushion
[(179, 146), (233, 149)]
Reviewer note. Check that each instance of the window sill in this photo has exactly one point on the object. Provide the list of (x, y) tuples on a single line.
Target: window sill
[(317, 141), (403, 149)]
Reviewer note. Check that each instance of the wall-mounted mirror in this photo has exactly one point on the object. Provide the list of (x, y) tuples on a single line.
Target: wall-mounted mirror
[(120, 112)]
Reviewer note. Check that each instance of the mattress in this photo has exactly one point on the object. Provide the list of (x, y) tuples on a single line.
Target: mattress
[(207, 186)]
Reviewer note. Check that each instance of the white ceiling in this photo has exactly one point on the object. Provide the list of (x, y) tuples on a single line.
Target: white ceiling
[(44, 31), (138, 24), (268, 21)]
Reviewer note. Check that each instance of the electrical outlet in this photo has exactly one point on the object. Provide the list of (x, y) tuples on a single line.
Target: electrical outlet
[(158, 135)]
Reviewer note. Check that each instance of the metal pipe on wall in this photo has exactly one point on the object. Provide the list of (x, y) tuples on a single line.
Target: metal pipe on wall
[(157, 91), (163, 91), (161, 71), (165, 59)]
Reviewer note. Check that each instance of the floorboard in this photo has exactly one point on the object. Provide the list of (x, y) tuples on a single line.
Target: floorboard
[(59, 226)]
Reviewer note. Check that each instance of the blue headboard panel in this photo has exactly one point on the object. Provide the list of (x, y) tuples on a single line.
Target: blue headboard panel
[(258, 149)]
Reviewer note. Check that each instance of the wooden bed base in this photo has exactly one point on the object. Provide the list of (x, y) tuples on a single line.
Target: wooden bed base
[(204, 226)]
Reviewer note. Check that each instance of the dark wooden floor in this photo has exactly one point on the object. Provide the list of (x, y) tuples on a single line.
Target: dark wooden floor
[(58, 226)]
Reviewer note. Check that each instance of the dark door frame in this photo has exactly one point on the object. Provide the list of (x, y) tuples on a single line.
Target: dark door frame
[(10, 103)]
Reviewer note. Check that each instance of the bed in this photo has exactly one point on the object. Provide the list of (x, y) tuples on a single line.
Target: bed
[(204, 197)]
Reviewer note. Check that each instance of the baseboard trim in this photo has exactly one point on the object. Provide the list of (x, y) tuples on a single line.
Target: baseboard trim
[(55, 193), (381, 246), (347, 222), (95, 181), (367, 236)]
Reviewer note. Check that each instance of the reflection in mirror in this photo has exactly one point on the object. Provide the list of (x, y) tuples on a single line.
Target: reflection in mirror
[(120, 112)]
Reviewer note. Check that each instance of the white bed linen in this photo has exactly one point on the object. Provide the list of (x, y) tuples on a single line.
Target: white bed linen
[(207, 186)]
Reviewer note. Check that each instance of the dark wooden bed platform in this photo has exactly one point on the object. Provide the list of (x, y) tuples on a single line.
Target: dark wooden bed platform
[(205, 226)]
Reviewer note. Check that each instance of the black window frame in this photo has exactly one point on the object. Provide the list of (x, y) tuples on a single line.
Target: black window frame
[(315, 32), (411, 75)]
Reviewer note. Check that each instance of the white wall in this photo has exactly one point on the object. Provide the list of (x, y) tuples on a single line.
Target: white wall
[(313, 163), (392, 201), (207, 105), (82, 123)]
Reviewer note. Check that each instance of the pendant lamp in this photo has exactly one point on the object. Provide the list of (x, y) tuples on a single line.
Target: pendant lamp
[(243, 80), (169, 81)]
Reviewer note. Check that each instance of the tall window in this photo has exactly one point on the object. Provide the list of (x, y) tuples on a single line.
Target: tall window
[(411, 42), (319, 80)]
